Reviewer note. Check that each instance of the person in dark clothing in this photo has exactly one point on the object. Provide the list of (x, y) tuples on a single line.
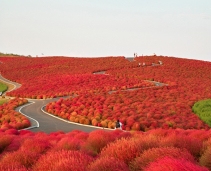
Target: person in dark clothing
[(118, 125)]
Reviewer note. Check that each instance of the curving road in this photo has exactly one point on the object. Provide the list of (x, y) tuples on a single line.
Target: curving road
[(16, 85), (41, 121), (48, 123)]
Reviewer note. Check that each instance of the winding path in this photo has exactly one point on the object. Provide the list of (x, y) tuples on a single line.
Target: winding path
[(41, 121), (48, 123)]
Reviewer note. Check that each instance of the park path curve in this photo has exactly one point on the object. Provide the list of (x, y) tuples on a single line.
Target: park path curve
[(41, 121)]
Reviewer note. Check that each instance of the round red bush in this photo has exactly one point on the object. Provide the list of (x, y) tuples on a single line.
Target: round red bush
[(173, 164), (63, 160), (108, 164)]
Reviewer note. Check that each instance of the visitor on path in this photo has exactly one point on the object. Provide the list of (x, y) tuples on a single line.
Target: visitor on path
[(160, 62), (118, 125)]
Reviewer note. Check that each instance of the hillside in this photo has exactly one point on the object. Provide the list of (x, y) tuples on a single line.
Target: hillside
[(152, 96)]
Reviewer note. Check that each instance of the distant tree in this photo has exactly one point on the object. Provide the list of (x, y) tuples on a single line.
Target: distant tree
[(11, 54)]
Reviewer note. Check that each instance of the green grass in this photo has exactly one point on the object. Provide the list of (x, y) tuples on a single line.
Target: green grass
[(203, 110), (3, 87), (2, 101)]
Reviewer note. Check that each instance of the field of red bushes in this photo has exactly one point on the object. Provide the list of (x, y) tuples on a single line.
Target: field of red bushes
[(153, 101), (101, 99), (101, 150), (11, 119), (168, 106), (58, 76)]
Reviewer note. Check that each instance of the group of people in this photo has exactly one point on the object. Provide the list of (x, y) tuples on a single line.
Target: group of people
[(153, 64), (135, 55), (140, 64)]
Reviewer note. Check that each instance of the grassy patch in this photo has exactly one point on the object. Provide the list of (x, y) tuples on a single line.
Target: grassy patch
[(203, 110), (2, 101), (3, 87)]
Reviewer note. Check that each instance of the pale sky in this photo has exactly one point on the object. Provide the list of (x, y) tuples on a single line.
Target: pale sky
[(82, 28)]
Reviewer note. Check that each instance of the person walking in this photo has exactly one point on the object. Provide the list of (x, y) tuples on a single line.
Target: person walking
[(118, 125)]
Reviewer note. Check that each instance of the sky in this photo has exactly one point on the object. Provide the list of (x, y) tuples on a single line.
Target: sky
[(98, 28)]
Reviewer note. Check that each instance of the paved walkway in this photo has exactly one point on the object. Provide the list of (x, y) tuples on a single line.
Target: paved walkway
[(41, 121), (48, 123)]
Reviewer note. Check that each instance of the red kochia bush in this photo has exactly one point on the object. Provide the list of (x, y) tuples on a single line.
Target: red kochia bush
[(108, 164), (96, 141), (172, 164), (205, 159), (63, 161), (12, 131), (14, 145), (37, 146), (68, 143), (5, 141), (13, 167), (153, 154), (123, 149), (193, 145), (24, 158), (120, 134), (9, 118)]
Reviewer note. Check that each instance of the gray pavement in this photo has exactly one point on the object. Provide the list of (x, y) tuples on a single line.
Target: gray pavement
[(42, 122), (48, 123)]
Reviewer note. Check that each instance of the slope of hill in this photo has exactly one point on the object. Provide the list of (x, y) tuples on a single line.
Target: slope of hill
[(174, 138)]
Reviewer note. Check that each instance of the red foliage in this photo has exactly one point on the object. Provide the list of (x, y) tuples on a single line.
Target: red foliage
[(15, 166), (173, 164), (5, 141), (153, 154), (123, 149), (205, 159), (12, 131), (150, 106), (24, 158), (9, 118), (108, 164), (115, 149), (70, 75), (36, 145), (63, 160), (96, 141), (193, 145), (68, 143), (102, 99)]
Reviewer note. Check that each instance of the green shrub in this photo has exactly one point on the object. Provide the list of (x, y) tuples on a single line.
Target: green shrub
[(203, 110)]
